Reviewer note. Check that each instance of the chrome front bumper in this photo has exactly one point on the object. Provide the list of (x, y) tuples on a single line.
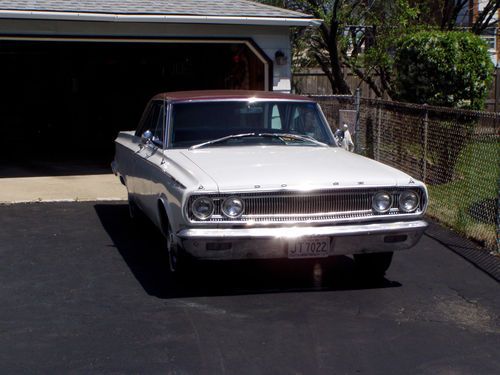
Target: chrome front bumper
[(245, 243)]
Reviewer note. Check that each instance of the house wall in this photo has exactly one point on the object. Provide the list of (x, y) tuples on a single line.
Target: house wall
[(270, 39)]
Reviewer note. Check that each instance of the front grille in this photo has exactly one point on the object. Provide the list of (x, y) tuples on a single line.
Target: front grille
[(317, 206)]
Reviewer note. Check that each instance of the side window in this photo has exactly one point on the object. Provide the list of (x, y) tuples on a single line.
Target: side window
[(159, 124), (150, 118), (144, 120)]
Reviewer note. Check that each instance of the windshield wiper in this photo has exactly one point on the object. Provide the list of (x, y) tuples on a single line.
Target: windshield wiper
[(300, 137), (223, 139), (303, 138)]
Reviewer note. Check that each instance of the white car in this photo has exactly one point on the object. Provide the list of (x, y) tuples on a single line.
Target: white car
[(243, 174)]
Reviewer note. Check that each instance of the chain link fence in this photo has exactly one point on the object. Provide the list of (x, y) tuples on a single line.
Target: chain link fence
[(455, 152)]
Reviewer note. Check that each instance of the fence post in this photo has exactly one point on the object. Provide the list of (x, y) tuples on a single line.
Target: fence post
[(498, 216), (357, 103), (496, 132), (426, 132), (379, 129)]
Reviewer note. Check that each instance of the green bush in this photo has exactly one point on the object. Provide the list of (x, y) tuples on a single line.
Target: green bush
[(451, 69)]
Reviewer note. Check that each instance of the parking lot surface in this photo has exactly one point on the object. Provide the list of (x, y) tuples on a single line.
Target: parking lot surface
[(84, 290)]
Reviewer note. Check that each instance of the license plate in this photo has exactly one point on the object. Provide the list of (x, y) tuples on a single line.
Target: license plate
[(317, 247)]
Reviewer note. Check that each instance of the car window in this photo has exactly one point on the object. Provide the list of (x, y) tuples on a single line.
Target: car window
[(306, 120), (150, 118), (143, 122), (197, 122), (158, 124)]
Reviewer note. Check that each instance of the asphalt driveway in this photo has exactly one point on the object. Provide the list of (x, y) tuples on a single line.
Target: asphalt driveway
[(84, 291)]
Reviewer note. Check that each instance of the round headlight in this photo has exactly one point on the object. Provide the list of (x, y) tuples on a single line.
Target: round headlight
[(202, 208), (382, 202), (233, 207), (408, 201)]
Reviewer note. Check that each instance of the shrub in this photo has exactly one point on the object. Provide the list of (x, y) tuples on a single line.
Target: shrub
[(451, 69)]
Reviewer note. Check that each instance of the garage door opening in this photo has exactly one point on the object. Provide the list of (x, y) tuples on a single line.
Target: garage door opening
[(63, 102)]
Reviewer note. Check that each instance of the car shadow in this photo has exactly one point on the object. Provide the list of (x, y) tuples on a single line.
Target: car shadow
[(141, 246)]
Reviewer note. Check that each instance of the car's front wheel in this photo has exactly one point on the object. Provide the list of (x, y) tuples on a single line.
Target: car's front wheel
[(178, 260), (373, 265), (173, 251)]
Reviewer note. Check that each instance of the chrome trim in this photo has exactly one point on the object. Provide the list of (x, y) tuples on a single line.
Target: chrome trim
[(292, 192), (168, 130), (327, 126), (292, 221), (346, 213), (308, 190), (166, 124), (296, 232), (250, 99), (338, 205)]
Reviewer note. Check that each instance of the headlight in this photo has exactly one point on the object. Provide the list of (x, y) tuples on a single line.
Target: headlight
[(382, 202), (408, 201), (202, 208), (233, 207)]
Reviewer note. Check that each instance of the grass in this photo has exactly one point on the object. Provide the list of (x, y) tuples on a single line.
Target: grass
[(476, 180)]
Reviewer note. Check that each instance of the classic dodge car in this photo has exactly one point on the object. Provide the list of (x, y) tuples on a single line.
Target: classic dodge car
[(239, 175)]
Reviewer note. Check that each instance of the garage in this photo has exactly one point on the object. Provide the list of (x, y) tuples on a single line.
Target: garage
[(74, 74), (67, 98)]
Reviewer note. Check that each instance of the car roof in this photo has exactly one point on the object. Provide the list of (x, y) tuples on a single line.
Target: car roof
[(209, 95)]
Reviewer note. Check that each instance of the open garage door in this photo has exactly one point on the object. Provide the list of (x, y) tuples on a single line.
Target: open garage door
[(64, 100)]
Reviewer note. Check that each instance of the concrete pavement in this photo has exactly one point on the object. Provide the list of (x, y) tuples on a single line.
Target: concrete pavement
[(61, 188)]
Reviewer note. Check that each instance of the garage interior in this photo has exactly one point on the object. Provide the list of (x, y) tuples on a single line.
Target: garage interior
[(64, 101)]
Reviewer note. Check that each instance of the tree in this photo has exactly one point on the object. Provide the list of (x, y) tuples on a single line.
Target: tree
[(356, 36), (362, 36), (448, 14), (451, 69), (485, 18)]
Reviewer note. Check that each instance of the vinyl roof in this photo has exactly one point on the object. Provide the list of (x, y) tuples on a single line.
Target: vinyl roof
[(216, 9), (204, 95)]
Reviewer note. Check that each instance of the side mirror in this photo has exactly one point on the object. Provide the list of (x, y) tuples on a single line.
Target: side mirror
[(147, 136)]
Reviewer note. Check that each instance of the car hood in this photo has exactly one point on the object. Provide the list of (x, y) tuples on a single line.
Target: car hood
[(291, 167)]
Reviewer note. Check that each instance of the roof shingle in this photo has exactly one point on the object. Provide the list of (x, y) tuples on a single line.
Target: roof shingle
[(222, 8)]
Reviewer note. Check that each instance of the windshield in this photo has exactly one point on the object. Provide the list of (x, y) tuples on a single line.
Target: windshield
[(196, 123)]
